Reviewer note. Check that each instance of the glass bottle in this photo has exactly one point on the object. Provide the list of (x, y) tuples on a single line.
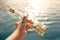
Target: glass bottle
[(40, 29)]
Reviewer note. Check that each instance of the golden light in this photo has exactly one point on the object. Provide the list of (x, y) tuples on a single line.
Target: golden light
[(32, 8), (38, 5), (36, 8)]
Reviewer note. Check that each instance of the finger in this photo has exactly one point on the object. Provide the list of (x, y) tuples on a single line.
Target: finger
[(28, 26), (18, 24), (30, 21), (24, 20)]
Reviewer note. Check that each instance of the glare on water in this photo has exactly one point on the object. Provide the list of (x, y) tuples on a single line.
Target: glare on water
[(33, 8)]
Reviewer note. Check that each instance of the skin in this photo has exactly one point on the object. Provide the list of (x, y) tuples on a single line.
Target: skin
[(21, 29)]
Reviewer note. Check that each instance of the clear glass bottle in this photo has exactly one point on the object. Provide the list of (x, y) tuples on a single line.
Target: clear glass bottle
[(40, 29)]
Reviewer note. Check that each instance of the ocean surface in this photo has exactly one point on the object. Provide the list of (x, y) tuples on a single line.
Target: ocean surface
[(7, 24)]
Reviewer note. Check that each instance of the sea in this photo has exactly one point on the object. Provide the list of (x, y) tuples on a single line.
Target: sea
[(7, 24)]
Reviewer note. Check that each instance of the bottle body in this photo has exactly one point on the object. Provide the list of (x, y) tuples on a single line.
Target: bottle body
[(41, 31)]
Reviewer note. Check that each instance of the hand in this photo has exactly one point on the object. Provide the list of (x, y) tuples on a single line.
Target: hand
[(21, 29), (23, 25)]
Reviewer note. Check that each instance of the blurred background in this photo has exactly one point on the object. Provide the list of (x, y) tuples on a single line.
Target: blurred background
[(48, 11)]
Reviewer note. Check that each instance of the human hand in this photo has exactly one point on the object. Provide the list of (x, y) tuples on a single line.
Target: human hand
[(23, 26)]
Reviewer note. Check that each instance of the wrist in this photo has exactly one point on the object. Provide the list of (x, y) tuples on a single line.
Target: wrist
[(21, 35)]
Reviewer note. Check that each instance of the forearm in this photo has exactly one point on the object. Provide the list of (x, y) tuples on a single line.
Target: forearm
[(15, 36)]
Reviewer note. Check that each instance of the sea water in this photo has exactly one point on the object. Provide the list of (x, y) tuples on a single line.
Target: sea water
[(7, 24)]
